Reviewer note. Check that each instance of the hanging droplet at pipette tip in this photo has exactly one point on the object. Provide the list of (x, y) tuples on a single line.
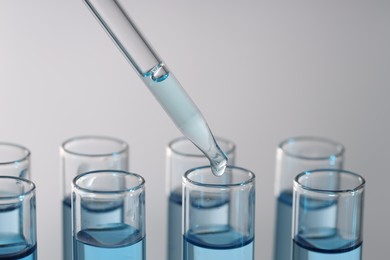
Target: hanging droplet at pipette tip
[(219, 163)]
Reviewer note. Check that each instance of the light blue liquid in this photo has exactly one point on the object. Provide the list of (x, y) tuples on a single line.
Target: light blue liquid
[(174, 226), (112, 242), (219, 242), (178, 105), (282, 245), (67, 229), (12, 243), (326, 244)]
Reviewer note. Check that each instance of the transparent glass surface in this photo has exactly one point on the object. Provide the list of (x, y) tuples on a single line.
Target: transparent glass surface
[(82, 154), (108, 211), (18, 239), (14, 160), (182, 155), (293, 156), (218, 214), (328, 210)]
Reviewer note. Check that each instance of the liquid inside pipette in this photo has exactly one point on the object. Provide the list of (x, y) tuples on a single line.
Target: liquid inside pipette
[(185, 115)]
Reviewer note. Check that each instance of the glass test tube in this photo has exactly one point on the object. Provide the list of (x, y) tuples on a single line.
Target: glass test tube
[(295, 155), (328, 215), (108, 210), (182, 155), (82, 154), (17, 219), (218, 214), (14, 160)]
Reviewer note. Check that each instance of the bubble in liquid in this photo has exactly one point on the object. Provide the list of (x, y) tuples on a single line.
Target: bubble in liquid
[(159, 73)]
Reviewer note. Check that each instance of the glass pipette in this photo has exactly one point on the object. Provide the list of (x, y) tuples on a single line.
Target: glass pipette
[(157, 77)]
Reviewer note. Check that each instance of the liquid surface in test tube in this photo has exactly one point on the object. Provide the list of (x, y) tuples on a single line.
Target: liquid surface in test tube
[(224, 243), (186, 116), (326, 245), (99, 214), (119, 242), (13, 244), (24, 251), (323, 212)]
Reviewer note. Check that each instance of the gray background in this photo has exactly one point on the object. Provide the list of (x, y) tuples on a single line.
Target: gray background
[(260, 71)]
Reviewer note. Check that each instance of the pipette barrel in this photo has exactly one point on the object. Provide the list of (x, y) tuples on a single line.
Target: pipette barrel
[(157, 77)]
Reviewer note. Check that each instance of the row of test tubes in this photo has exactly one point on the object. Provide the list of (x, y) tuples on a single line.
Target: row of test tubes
[(318, 214)]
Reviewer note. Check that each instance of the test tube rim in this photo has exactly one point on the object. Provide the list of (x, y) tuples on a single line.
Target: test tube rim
[(31, 187), (337, 192), (231, 144), (140, 185), (25, 157), (124, 149), (250, 180), (340, 147)]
